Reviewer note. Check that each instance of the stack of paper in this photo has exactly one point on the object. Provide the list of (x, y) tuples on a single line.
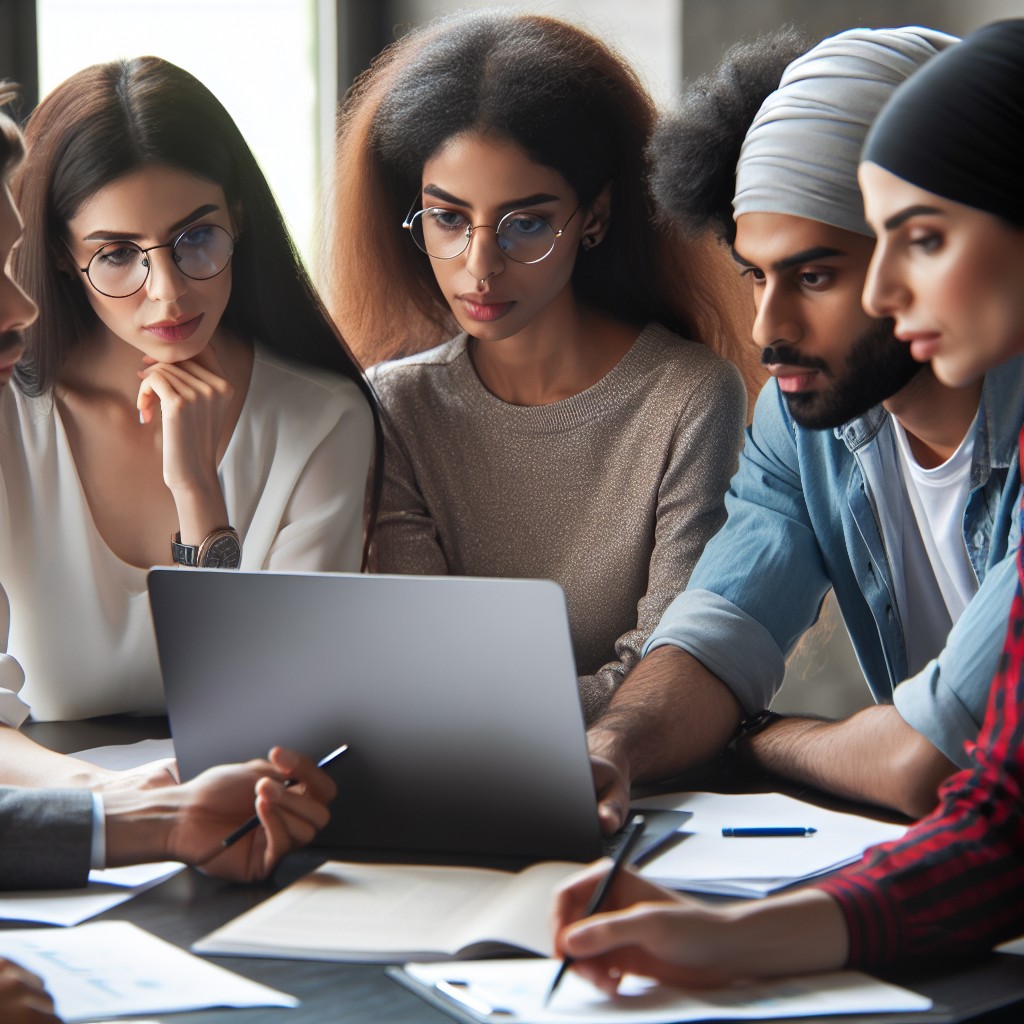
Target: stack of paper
[(703, 860), (114, 969), (107, 888), (514, 991)]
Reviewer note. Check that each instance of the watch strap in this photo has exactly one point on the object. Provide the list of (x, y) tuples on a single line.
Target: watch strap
[(193, 555), (183, 554), (754, 724)]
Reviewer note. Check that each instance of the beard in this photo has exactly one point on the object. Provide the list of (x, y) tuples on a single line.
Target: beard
[(877, 366)]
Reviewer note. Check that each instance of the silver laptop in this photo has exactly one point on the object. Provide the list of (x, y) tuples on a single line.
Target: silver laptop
[(457, 697)]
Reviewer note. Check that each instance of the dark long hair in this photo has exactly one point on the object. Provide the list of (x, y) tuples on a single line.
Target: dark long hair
[(572, 104), (111, 119)]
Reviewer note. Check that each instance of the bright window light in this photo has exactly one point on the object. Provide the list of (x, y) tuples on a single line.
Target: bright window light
[(258, 57)]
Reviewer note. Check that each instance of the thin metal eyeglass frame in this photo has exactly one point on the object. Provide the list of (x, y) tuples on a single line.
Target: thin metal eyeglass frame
[(410, 217), (144, 252)]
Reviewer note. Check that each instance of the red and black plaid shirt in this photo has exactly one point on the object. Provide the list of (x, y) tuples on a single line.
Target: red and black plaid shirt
[(955, 881)]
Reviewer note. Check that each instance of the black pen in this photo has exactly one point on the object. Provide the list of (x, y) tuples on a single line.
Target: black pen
[(634, 830), (244, 830)]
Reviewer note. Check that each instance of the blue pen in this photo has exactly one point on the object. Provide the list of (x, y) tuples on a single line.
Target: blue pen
[(748, 833)]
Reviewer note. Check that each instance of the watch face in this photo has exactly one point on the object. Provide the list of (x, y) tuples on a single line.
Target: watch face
[(223, 553)]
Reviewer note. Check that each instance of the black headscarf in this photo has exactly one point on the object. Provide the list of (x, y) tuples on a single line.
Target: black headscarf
[(956, 128)]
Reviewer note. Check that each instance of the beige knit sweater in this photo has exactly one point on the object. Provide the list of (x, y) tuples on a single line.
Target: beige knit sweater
[(612, 493)]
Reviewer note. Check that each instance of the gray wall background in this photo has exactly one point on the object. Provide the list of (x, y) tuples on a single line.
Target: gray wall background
[(710, 26), (676, 39)]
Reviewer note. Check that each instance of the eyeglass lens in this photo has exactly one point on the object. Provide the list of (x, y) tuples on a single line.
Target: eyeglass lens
[(119, 269), (444, 234)]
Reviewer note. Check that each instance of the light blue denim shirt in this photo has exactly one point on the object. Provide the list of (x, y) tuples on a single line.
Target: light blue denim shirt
[(801, 522)]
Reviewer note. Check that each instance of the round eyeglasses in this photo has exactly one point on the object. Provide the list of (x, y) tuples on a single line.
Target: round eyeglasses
[(444, 234), (119, 269)]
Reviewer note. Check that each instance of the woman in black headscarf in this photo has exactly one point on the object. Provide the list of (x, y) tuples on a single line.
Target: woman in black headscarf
[(941, 176)]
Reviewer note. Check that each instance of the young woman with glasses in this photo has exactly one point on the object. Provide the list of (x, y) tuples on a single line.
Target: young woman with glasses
[(940, 175), (491, 189), (184, 397)]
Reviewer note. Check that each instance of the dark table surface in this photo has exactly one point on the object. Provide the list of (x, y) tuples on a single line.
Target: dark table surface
[(189, 905)]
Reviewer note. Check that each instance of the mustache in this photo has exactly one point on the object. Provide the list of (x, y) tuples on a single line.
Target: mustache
[(9, 342), (785, 355)]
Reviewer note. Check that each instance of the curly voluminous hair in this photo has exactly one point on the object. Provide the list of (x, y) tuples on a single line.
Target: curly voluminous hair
[(696, 147), (570, 103)]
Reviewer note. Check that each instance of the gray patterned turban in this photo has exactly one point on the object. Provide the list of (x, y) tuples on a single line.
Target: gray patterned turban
[(801, 153)]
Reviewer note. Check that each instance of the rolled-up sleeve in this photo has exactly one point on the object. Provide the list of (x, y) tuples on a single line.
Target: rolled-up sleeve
[(946, 700), (726, 641), (761, 580)]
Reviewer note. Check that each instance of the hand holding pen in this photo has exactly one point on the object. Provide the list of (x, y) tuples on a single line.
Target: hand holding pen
[(188, 822), (643, 929), (253, 822), (634, 830)]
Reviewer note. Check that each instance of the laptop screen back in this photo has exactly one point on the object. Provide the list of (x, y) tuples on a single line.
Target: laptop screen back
[(457, 697)]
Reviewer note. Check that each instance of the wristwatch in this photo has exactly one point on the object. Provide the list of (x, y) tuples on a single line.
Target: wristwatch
[(220, 549), (753, 725)]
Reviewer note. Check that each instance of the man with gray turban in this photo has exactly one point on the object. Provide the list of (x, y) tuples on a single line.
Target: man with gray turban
[(860, 474)]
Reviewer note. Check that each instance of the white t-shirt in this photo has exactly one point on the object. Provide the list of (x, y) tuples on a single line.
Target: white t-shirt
[(938, 498), (294, 478), (921, 548)]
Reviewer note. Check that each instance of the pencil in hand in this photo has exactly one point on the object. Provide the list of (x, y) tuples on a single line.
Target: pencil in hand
[(634, 830)]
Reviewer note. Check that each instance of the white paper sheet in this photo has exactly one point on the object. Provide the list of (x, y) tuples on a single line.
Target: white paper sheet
[(520, 986), (120, 756), (706, 861), (107, 888), (114, 969)]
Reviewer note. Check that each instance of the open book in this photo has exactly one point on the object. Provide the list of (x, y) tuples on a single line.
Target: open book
[(388, 913)]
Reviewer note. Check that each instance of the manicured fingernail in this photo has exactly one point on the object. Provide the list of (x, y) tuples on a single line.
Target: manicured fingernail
[(142, 419)]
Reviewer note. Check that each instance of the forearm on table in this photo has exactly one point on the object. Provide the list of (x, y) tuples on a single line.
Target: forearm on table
[(873, 757), (690, 943), (139, 824), (795, 933), (669, 714), (23, 762)]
